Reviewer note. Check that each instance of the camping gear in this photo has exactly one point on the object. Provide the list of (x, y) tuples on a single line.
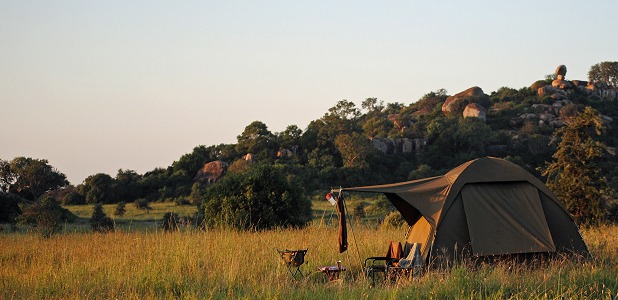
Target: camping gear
[(394, 263), (333, 272), (482, 208), (293, 259)]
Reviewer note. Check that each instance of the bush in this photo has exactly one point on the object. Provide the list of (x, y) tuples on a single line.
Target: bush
[(9, 208), (73, 198), (142, 204), (359, 209), (260, 198), (47, 215), (99, 221), (394, 220), (170, 221), (182, 201), (613, 211), (120, 209)]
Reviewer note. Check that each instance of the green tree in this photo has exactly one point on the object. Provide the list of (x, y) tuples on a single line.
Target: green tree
[(121, 209), (99, 188), (73, 198), (30, 178), (261, 198), (153, 183), (142, 204), (574, 174), (192, 162), (170, 221), (452, 141), (354, 149), (372, 105), (127, 185), (605, 72), (344, 109), (290, 137), (9, 207), (6, 176), (256, 138), (47, 215), (99, 221), (378, 126)]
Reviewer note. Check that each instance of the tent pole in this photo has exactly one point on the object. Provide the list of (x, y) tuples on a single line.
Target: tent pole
[(345, 205)]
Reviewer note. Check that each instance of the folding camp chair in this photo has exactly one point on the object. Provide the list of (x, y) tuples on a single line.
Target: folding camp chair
[(396, 262), (379, 264), (293, 259), (408, 265)]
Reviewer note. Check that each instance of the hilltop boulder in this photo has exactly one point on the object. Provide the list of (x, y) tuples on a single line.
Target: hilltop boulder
[(474, 110), (456, 104), (211, 172)]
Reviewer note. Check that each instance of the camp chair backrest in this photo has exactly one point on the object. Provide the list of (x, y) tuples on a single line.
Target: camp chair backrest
[(394, 250), (293, 257)]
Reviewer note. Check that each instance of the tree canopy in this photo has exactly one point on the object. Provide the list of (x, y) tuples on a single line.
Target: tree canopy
[(605, 72), (30, 178), (260, 198), (574, 174)]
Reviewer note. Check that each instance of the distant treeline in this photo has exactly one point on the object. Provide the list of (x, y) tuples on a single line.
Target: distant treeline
[(349, 146)]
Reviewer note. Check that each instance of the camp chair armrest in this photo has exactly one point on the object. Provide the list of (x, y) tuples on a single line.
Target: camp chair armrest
[(374, 259)]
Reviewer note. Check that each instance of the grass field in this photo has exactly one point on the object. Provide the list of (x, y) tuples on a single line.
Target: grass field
[(194, 264)]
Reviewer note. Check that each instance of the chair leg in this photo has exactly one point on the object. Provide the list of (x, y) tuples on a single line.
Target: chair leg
[(296, 274)]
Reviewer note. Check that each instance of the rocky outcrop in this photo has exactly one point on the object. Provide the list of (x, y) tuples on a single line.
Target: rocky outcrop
[(398, 145), (285, 153), (211, 172), (474, 110), (456, 104), (561, 89), (559, 82)]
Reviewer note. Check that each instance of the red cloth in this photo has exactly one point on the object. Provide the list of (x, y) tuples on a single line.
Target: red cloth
[(394, 250)]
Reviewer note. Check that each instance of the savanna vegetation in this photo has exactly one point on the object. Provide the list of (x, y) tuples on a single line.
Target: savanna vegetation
[(176, 233), (226, 263)]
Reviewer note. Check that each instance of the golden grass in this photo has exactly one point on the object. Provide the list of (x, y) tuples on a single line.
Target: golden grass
[(134, 214), (231, 264)]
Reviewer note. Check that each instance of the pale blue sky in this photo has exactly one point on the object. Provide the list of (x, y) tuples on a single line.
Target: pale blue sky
[(95, 86)]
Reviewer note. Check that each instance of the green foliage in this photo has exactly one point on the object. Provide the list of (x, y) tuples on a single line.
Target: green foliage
[(290, 137), (127, 185), (46, 215), (423, 171), (452, 141), (256, 139), (30, 178), (120, 209), (605, 72), (99, 188), (372, 105), (359, 209), (9, 207), (6, 176), (377, 126), (170, 221), (261, 198), (394, 220), (354, 149), (73, 198), (100, 222), (429, 101), (142, 204), (574, 174)]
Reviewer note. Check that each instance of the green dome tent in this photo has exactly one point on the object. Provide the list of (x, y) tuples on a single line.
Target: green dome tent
[(485, 207)]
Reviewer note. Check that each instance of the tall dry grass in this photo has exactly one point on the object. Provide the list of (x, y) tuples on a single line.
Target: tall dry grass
[(231, 264)]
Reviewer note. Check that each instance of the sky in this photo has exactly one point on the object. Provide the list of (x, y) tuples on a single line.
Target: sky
[(98, 86)]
